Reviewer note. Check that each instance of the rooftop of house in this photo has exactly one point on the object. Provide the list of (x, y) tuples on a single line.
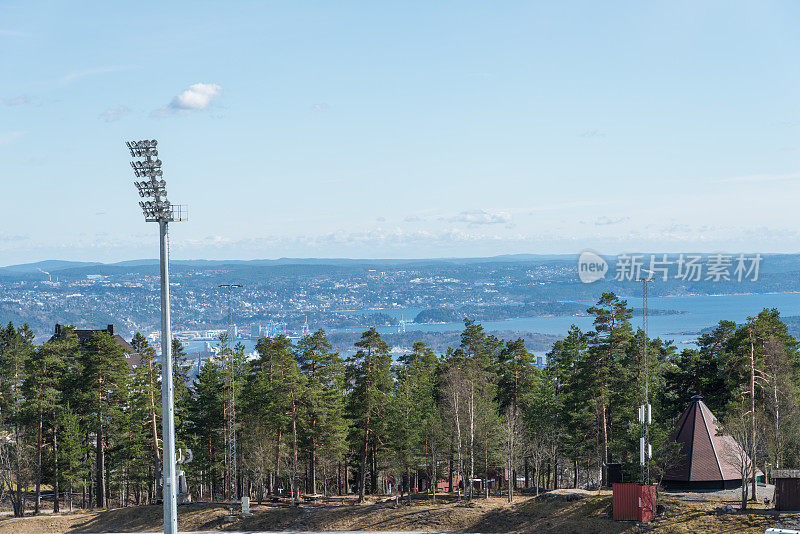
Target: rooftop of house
[(85, 335)]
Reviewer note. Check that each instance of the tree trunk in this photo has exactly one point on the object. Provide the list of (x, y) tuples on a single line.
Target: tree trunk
[(314, 465), (433, 470), (154, 430), (19, 502), (374, 468), (295, 489), (525, 463), (38, 500), (450, 463), (575, 480), (55, 467), (100, 490), (486, 456), (362, 471), (753, 416), (604, 430), (278, 460)]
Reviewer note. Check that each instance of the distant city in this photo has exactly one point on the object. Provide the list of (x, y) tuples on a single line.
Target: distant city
[(404, 299)]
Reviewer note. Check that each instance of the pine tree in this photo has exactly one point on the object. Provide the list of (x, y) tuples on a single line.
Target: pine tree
[(604, 368), (270, 401), (571, 408), (413, 408), (369, 372), (147, 378), (47, 377), (516, 377), (180, 384), (207, 425), (323, 400), (105, 377), (72, 451), (16, 348)]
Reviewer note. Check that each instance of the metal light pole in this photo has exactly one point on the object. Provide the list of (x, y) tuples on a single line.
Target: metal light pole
[(233, 482), (161, 211)]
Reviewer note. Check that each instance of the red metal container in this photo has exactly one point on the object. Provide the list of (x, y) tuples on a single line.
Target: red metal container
[(634, 502)]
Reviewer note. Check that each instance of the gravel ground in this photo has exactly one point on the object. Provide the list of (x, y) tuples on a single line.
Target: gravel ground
[(729, 495)]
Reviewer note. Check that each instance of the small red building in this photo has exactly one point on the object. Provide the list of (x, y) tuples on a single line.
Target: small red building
[(634, 502)]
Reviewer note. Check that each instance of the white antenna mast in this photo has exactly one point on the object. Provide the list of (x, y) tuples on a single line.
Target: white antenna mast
[(645, 410)]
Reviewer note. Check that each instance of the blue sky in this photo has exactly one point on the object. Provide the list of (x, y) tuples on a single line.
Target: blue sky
[(406, 129)]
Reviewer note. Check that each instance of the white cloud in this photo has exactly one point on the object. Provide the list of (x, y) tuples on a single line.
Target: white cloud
[(11, 238), (114, 114), (8, 137), (320, 107), (12, 33), (77, 74), (483, 217), (757, 178), (592, 134), (566, 205), (197, 97), (17, 101), (606, 221)]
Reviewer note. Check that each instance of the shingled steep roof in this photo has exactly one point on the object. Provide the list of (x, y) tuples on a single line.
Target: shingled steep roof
[(132, 358), (707, 455)]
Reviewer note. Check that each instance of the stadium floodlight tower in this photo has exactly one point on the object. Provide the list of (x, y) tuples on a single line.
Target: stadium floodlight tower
[(147, 167)]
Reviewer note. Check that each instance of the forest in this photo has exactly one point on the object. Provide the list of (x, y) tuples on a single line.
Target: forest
[(79, 426)]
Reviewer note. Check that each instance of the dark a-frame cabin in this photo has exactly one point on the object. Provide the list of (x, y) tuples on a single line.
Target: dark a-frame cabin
[(708, 459)]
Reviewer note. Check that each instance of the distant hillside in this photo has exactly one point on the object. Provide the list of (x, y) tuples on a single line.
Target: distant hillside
[(47, 265), (513, 311)]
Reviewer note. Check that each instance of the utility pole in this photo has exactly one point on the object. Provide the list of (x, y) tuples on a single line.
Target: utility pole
[(232, 472), (645, 410), (161, 211)]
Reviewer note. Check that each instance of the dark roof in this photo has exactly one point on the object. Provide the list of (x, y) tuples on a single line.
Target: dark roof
[(707, 455), (785, 473), (85, 335)]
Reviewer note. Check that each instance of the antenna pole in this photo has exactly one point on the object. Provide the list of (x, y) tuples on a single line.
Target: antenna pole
[(645, 410), (232, 470)]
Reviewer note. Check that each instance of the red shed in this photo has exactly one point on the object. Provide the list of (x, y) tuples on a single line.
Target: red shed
[(787, 489), (634, 502)]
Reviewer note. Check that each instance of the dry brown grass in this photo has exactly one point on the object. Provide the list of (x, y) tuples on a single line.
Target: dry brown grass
[(527, 514)]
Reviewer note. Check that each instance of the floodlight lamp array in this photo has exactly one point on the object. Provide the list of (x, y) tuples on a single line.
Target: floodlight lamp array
[(154, 186), (156, 210), (143, 148)]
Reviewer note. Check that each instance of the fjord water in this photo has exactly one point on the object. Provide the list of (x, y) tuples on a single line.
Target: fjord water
[(699, 312)]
